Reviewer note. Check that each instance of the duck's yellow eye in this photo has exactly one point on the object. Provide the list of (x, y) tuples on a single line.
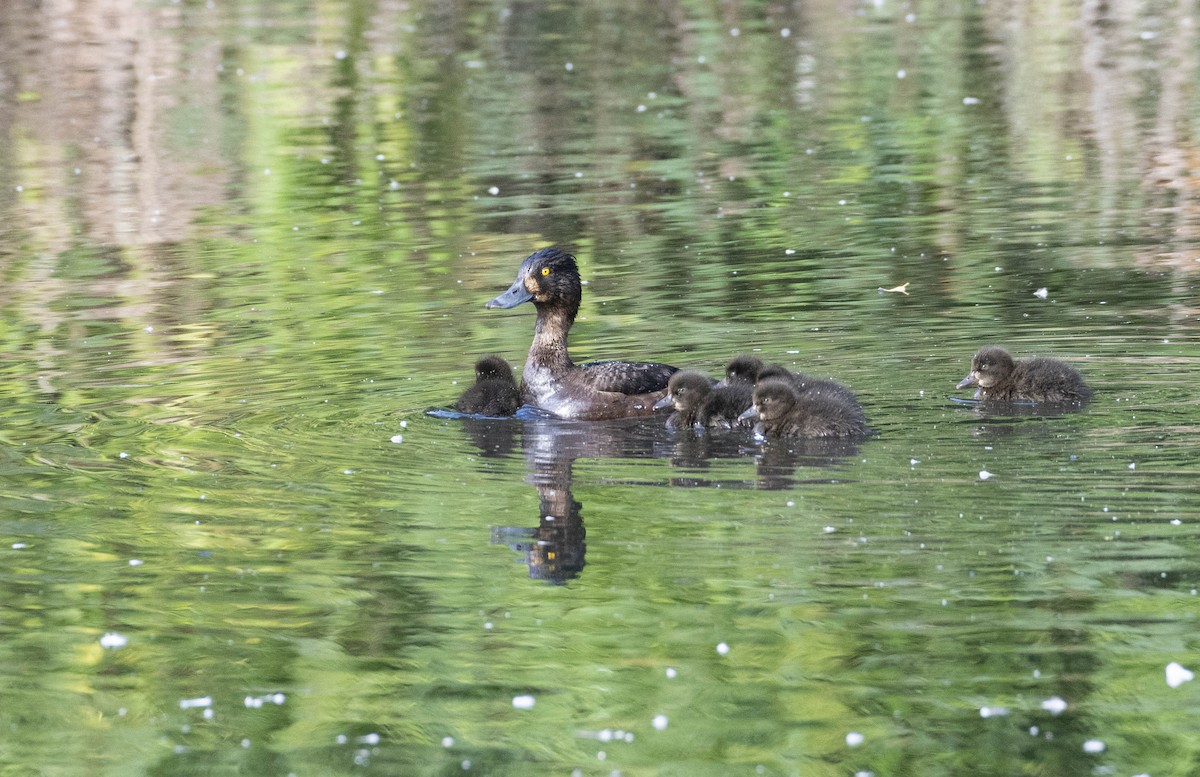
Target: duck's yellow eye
[(545, 271)]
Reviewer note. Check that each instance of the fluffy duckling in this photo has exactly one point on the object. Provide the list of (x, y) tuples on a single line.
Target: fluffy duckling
[(551, 381), (806, 383), (782, 411), (495, 390), (743, 369), (698, 402), (1003, 379)]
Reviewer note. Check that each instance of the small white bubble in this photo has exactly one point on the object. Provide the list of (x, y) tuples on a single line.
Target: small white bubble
[(722, 648), (1093, 746), (369, 739), (659, 722), (1054, 705), (569, 67), (202, 701), (1177, 675), (641, 109), (397, 438), (447, 741), (734, 32), (901, 74), (123, 455), (970, 101), (854, 739), (493, 190), (112, 640), (785, 33), (340, 54), (1133, 465), (671, 673), (984, 474), (524, 702), (1042, 293), (136, 562)]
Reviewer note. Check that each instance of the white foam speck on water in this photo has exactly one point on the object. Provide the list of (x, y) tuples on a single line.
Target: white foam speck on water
[(993, 712), (659, 722), (369, 739), (397, 438), (1042, 293), (112, 640), (1093, 746), (854, 739), (524, 702), (970, 101), (202, 701), (136, 562), (493, 190), (830, 529), (19, 546), (1177, 675), (722, 648), (984, 474), (123, 455), (1133, 465), (671, 673), (447, 741), (1055, 705)]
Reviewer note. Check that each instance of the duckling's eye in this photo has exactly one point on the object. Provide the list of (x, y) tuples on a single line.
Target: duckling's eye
[(545, 271)]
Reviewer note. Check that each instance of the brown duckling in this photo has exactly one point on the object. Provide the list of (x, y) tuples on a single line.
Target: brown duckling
[(806, 383), (782, 411), (698, 402), (495, 390), (551, 381), (742, 369), (1003, 379)]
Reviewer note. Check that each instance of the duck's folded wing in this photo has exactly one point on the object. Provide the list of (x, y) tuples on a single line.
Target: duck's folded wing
[(627, 377)]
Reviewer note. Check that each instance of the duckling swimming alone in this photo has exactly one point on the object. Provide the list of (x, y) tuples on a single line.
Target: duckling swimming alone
[(782, 411), (698, 402), (495, 390), (551, 381), (1002, 379)]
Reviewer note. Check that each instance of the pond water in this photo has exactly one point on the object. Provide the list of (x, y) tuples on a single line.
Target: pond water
[(245, 246)]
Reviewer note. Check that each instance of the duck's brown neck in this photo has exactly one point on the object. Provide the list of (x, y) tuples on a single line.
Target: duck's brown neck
[(549, 348)]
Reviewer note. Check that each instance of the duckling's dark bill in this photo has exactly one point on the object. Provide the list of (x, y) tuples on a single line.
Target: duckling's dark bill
[(516, 294), (971, 380)]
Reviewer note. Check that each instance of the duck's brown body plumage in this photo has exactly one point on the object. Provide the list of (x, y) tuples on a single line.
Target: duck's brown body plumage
[(495, 390), (1000, 378), (551, 381)]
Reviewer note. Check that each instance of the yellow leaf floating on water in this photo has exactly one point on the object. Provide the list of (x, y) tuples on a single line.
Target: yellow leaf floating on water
[(902, 289)]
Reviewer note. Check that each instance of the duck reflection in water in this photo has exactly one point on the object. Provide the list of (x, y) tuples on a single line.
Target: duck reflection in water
[(555, 548)]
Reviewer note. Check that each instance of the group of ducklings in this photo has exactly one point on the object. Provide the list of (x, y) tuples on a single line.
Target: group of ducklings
[(779, 402)]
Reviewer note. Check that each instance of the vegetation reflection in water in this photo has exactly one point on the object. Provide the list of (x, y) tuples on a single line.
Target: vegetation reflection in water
[(244, 247)]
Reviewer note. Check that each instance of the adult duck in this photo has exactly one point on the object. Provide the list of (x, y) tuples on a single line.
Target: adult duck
[(593, 391), (1003, 379)]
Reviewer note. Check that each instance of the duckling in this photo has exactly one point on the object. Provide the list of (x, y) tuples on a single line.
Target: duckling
[(743, 369), (782, 411), (700, 402), (1001, 378), (806, 383), (495, 390), (551, 381)]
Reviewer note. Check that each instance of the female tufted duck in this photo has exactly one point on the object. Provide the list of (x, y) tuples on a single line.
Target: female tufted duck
[(551, 381), (1002, 379), (495, 390), (698, 402), (782, 411)]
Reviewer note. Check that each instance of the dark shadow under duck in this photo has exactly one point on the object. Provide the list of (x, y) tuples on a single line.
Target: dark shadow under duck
[(593, 391), (698, 402), (782, 411), (495, 390), (1000, 378)]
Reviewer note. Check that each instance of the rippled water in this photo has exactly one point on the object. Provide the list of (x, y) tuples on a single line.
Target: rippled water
[(245, 248)]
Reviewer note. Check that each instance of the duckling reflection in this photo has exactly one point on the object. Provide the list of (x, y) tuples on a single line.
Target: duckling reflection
[(555, 548)]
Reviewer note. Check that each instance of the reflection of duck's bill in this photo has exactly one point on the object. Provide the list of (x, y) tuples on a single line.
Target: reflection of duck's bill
[(751, 414), (972, 378), (665, 402), (516, 294)]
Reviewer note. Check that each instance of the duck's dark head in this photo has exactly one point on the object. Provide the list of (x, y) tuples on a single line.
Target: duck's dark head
[(686, 391), (743, 369), (548, 277), (493, 368), (773, 399), (990, 366)]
